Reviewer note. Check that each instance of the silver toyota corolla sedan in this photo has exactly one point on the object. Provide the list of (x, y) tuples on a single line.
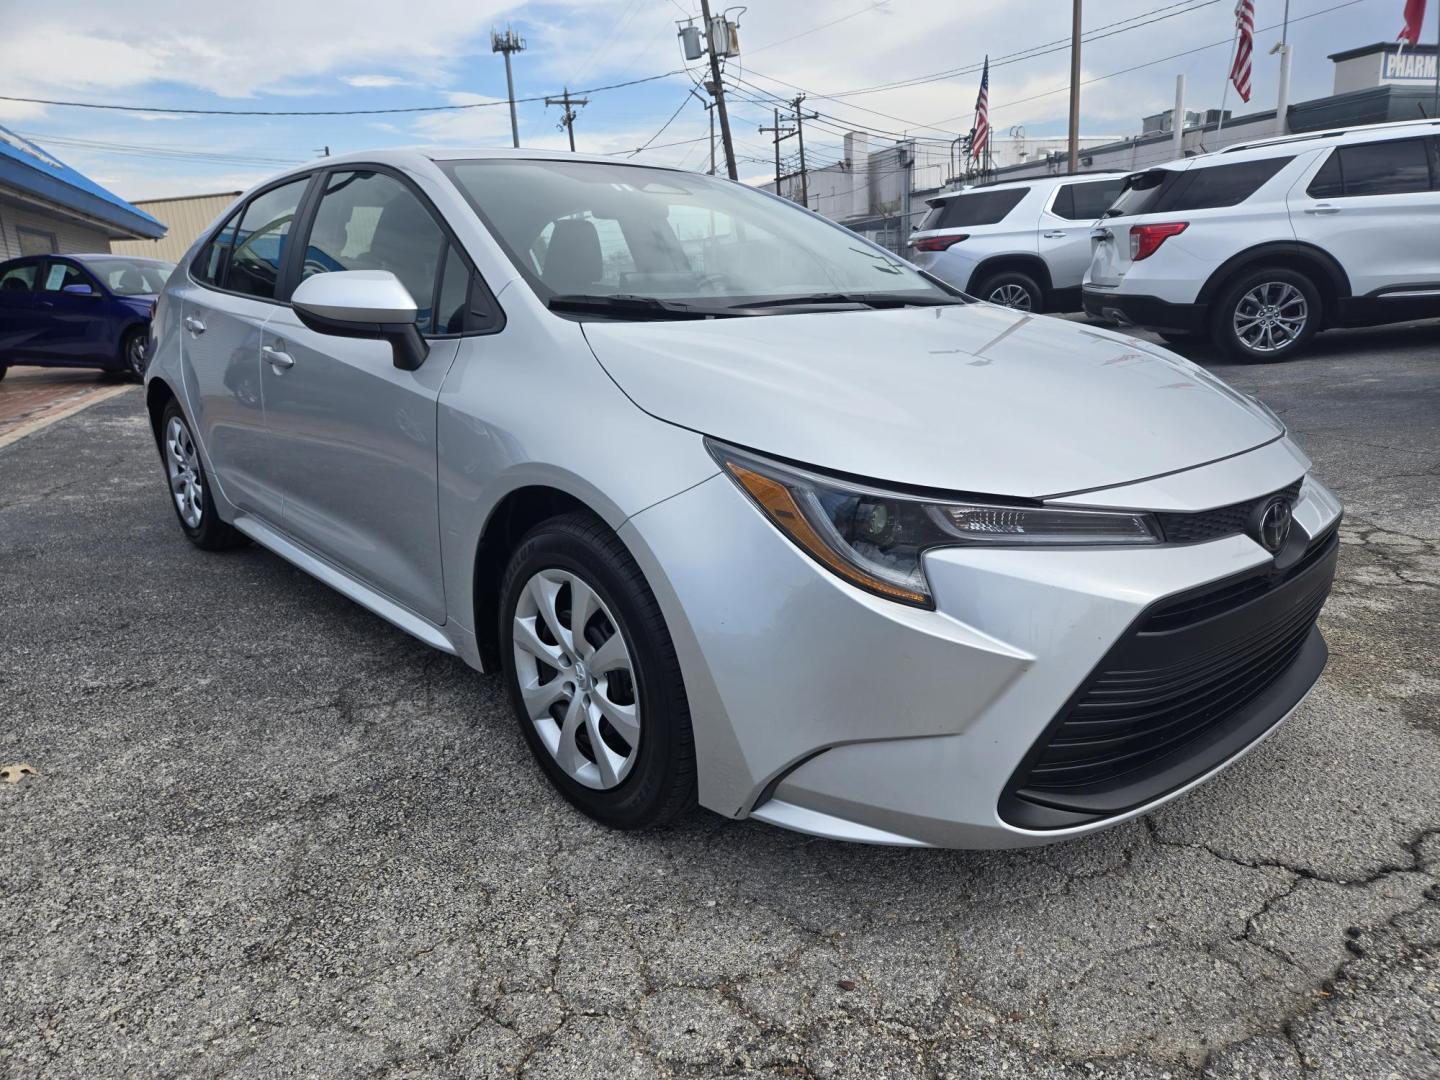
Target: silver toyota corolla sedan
[(744, 509)]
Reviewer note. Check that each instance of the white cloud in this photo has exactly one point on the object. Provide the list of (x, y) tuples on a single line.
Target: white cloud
[(373, 82)]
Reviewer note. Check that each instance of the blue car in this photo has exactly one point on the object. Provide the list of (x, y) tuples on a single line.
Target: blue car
[(79, 310)]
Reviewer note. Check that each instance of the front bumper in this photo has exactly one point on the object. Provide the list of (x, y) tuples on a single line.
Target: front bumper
[(1147, 311), (825, 709)]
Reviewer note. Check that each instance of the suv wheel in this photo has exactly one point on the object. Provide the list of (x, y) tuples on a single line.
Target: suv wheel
[(1012, 289), (189, 487), (1266, 315), (593, 677)]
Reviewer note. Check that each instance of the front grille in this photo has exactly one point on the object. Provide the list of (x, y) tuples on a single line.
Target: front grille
[(1222, 521), (1197, 678)]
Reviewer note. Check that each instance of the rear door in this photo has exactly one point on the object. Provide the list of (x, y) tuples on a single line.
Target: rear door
[(1065, 226), (18, 313), (230, 295), (75, 327), (352, 437), (1374, 206)]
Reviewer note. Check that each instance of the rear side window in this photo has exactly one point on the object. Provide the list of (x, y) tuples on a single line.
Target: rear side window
[(1161, 191), (1379, 168), (261, 241), (974, 208), (17, 279), (1086, 202)]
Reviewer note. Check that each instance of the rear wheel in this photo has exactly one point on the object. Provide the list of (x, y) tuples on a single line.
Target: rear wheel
[(1266, 315), (593, 677), (1012, 289), (190, 488), (3, 370)]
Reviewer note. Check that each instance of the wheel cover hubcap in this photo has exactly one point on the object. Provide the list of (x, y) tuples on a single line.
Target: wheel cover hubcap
[(1012, 296), (577, 678), (1271, 316), (182, 465)]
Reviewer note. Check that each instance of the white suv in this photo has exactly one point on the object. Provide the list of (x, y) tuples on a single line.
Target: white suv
[(1263, 244), (1024, 244)]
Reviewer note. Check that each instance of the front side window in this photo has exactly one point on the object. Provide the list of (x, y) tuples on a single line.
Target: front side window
[(1394, 167), (261, 239), (371, 221), (1088, 201), (59, 276), (601, 229), (18, 279)]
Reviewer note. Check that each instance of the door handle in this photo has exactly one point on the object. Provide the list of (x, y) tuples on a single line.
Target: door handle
[(277, 357), (1323, 208), (194, 325), (1054, 236)]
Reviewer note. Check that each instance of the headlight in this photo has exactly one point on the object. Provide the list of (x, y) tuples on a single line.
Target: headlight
[(875, 538)]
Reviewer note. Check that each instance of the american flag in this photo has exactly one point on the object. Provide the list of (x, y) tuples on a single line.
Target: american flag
[(1244, 46), (1414, 17), (981, 139)]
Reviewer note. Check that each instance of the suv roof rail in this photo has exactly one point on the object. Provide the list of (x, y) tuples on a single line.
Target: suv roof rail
[(1328, 133)]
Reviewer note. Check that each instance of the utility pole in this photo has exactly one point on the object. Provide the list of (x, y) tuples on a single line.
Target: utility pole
[(507, 43), (1075, 88), (800, 135), (709, 107), (780, 133), (567, 118), (1177, 118), (718, 89)]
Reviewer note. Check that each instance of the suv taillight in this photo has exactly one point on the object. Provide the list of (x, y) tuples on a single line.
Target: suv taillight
[(938, 243), (1145, 239)]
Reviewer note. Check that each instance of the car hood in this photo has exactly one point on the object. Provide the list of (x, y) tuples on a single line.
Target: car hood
[(967, 398)]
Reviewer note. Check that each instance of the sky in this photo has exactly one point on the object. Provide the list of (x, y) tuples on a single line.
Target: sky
[(314, 55)]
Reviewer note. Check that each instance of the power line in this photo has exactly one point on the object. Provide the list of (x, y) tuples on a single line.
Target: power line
[(680, 108), (327, 112), (175, 153), (817, 29)]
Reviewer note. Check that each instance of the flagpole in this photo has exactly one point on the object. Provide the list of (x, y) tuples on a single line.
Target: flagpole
[(1225, 93)]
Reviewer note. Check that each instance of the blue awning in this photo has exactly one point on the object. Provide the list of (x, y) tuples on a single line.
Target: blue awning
[(26, 167)]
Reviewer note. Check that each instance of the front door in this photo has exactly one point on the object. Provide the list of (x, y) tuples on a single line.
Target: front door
[(1375, 207), (353, 437), (76, 327)]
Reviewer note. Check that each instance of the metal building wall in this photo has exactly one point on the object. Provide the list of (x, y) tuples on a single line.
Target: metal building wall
[(184, 218)]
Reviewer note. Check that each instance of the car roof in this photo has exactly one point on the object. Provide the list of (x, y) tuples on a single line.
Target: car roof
[(1034, 181), (1289, 145)]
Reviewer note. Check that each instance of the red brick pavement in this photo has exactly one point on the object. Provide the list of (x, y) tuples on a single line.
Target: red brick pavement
[(29, 393)]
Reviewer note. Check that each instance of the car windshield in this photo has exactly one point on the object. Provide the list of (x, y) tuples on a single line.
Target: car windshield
[(645, 235), (131, 277)]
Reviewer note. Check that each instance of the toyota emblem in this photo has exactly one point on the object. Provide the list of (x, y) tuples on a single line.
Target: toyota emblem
[(1271, 526)]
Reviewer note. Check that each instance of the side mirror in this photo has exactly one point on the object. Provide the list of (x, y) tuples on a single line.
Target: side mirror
[(81, 289), (363, 304)]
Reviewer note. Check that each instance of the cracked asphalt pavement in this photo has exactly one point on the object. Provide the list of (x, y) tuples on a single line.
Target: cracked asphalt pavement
[(269, 835)]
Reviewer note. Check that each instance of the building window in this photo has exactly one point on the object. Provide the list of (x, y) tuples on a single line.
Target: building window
[(36, 242)]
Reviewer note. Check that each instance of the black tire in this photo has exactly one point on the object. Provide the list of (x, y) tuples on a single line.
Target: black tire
[(3, 370), (132, 352), (1008, 280), (1181, 337), (1238, 297), (209, 533), (661, 782)]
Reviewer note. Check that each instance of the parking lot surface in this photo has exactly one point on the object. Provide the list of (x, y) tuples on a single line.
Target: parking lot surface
[(270, 835)]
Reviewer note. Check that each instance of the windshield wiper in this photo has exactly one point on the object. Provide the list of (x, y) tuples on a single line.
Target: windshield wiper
[(872, 300), (629, 305)]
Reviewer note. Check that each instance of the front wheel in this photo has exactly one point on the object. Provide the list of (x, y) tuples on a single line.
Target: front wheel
[(190, 488), (1012, 289), (593, 677), (133, 353), (1266, 315)]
